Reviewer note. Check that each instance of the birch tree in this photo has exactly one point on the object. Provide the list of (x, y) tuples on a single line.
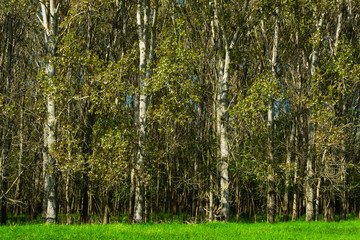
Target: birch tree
[(309, 183), (146, 49), (225, 45), (49, 20), (271, 177)]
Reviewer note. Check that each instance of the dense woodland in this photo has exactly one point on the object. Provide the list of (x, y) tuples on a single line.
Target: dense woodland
[(195, 110)]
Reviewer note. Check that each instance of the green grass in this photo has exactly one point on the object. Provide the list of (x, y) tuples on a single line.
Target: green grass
[(290, 230)]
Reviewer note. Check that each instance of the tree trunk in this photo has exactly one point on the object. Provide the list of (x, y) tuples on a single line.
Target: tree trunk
[(143, 27), (211, 189), (49, 206), (225, 45), (317, 199), (271, 205), (287, 171), (67, 196), (309, 183), (106, 200), (271, 174), (21, 150), (295, 181), (343, 208)]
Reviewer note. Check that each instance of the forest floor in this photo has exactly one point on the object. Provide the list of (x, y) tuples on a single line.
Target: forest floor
[(217, 230)]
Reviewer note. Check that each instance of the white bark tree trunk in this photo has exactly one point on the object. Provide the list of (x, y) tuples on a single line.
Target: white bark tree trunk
[(49, 22), (145, 61), (224, 46), (309, 183), (271, 204)]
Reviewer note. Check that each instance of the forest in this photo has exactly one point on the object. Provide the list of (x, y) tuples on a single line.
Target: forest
[(196, 110)]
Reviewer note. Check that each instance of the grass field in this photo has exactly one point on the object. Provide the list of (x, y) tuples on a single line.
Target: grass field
[(290, 230)]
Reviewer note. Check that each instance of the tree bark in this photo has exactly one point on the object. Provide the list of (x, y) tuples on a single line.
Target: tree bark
[(224, 60), (21, 150), (271, 205), (67, 197), (49, 22), (309, 183), (145, 62), (287, 171)]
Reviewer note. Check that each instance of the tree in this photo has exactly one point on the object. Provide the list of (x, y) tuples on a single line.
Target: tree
[(49, 20), (146, 46), (225, 45)]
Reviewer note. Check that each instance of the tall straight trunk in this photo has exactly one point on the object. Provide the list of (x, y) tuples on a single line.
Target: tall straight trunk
[(224, 46), (196, 188), (237, 197), (295, 209), (157, 193), (67, 198), (211, 192), (271, 196), (21, 150), (87, 151), (309, 182), (67, 174), (224, 142), (139, 193), (317, 199), (106, 200), (49, 22), (85, 197), (6, 136), (287, 171), (343, 208), (298, 86), (342, 215), (133, 160), (271, 205), (222, 92), (144, 46)]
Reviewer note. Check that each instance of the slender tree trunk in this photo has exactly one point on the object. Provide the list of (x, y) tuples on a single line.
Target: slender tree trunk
[(139, 197), (157, 193), (143, 29), (271, 196), (271, 205), (287, 171), (67, 196), (222, 133), (317, 199), (21, 150), (224, 47), (343, 208), (211, 189), (106, 200), (87, 152), (49, 22), (132, 161), (309, 183), (295, 181)]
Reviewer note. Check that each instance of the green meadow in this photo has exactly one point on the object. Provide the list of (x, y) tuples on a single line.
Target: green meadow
[(290, 230)]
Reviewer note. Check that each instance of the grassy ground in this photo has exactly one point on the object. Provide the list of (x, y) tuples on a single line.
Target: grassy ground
[(290, 230)]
